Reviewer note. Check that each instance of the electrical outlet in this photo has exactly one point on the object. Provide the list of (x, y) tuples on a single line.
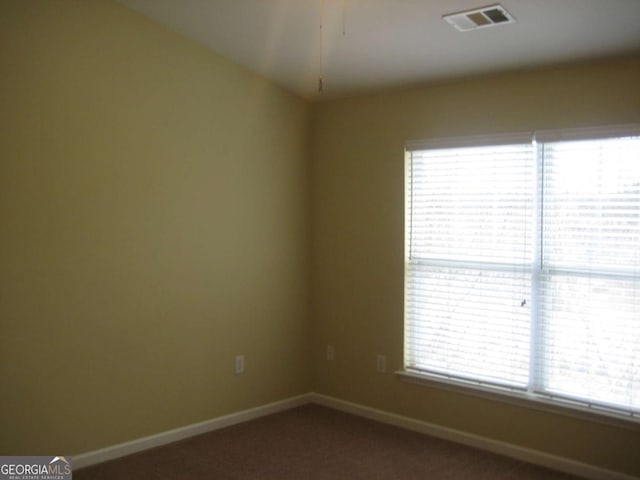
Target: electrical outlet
[(331, 353), (239, 368), (381, 363)]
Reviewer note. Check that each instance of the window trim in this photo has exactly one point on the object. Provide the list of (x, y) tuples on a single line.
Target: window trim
[(529, 398), (521, 398)]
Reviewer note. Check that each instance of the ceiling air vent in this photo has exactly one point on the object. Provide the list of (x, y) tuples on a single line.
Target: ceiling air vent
[(484, 17)]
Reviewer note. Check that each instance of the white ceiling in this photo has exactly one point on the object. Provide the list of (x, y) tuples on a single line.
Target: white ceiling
[(391, 43)]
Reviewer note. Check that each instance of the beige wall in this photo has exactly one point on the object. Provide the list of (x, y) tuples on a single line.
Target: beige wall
[(358, 168), (153, 224), (155, 210)]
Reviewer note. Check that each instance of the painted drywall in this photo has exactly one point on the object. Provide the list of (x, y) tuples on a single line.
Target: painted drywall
[(358, 217), (153, 224)]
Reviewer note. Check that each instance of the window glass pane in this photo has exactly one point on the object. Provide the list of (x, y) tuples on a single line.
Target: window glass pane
[(473, 204), (591, 329), (469, 323), (592, 205)]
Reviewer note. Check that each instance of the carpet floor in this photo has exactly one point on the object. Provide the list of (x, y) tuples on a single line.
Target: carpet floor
[(315, 443)]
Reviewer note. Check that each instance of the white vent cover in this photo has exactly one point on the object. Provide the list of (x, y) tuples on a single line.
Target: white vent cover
[(484, 17)]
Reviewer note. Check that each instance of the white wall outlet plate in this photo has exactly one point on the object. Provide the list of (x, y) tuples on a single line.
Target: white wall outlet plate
[(331, 353), (239, 367), (381, 363)]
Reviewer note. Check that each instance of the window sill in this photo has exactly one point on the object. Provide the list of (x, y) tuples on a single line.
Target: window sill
[(522, 399)]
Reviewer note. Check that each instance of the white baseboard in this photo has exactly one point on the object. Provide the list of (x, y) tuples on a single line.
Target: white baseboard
[(507, 449), (163, 438), (520, 453)]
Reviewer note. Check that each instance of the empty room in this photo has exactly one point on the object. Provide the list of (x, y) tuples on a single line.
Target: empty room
[(324, 239)]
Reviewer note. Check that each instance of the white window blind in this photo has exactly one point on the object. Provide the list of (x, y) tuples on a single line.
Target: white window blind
[(590, 282), (523, 265)]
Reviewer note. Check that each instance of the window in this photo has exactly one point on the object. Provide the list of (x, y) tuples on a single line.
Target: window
[(522, 270)]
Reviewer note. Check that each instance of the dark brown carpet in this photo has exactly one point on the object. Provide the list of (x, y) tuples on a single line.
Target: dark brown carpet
[(313, 442)]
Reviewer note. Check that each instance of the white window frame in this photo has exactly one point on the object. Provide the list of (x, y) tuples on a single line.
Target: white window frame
[(531, 396)]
